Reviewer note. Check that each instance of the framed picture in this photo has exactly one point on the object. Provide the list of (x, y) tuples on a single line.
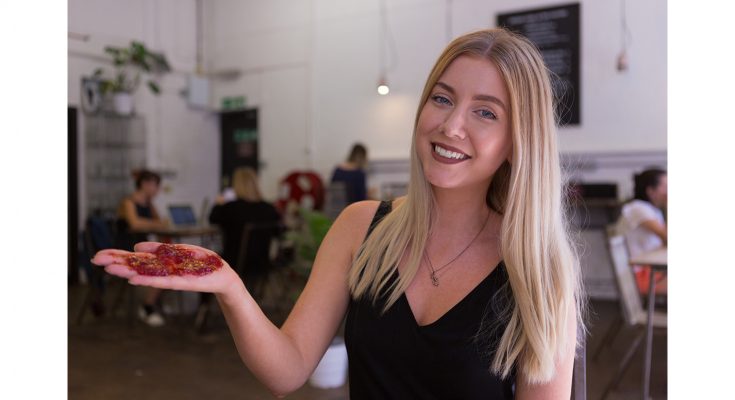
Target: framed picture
[(91, 96)]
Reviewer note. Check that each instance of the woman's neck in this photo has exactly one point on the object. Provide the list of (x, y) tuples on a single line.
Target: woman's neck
[(140, 197), (349, 166), (460, 208)]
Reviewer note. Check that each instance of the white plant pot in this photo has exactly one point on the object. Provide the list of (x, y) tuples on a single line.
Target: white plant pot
[(332, 369), (123, 103)]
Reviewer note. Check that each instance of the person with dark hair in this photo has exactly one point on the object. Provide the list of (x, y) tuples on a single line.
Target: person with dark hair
[(352, 174), (135, 214), (643, 224)]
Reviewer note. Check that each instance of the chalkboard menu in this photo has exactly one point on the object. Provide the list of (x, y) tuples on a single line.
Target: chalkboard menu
[(555, 31)]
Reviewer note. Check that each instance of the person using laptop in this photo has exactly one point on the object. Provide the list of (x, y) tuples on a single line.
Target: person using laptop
[(135, 215)]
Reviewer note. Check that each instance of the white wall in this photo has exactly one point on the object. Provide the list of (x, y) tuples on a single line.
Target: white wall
[(179, 139), (312, 68)]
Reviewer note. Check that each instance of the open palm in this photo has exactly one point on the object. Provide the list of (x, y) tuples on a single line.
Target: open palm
[(115, 263)]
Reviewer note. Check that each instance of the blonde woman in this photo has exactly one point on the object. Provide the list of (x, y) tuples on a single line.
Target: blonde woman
[(465, 288), (248, 207)]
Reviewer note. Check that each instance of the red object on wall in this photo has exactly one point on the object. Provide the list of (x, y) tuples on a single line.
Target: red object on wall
[(305, 188)]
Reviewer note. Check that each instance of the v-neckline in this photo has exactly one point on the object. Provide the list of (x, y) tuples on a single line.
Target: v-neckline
[(451, 309)]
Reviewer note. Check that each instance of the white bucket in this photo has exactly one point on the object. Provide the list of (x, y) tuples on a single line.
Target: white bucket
[(332, 369), (123, 103)]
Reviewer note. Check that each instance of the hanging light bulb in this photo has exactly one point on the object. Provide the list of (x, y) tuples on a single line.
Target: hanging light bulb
[(383, 88)]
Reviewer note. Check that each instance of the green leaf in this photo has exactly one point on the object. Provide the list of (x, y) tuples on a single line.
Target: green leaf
[(154, 87)]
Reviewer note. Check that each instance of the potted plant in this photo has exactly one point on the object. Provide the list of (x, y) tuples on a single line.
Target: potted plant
[(130, 62)]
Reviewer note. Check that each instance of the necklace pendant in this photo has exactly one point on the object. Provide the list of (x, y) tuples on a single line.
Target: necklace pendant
[(434, 280)]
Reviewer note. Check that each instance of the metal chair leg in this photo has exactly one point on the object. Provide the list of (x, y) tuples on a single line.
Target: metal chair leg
[(579, 373), (624, 363), (87, 302), (610, 335)]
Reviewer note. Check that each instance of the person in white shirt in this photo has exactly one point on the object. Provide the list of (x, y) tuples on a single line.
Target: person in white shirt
[(643, 224)]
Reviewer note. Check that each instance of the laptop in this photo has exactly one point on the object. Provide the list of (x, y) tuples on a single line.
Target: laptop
[(182, 215)]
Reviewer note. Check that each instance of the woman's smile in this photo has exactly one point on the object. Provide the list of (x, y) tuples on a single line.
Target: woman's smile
[(448, 154)]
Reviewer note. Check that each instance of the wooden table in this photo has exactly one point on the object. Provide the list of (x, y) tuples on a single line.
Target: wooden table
[(658, 261)]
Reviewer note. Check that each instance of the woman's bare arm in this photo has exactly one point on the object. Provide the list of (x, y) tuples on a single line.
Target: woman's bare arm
[(656, 227), (560, 386), (282, 359)]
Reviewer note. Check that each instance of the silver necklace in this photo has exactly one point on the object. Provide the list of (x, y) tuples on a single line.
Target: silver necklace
[(434, 277)]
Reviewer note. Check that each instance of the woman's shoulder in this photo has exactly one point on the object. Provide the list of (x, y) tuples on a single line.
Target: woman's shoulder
[(637, 205), (360, 211)]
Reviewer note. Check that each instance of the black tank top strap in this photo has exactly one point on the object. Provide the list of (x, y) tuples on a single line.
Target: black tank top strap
[(383, 209)]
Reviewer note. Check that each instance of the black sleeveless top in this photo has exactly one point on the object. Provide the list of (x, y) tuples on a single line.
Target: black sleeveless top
[(392, 357), (127, 239)]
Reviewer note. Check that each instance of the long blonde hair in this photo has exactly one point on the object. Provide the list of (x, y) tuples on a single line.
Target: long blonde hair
[(245, 184), (542, 266)]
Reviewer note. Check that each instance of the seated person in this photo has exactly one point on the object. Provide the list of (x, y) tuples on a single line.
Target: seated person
[(135, 215), (247, 208), (352, 174), (643, 225)]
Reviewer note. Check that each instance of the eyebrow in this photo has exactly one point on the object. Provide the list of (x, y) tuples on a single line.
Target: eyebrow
[(482, 97)]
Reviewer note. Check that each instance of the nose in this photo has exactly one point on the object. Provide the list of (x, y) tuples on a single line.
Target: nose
[(454, 125)]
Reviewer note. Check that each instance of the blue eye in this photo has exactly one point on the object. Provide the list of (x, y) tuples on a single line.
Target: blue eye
[(487, 114), (440, 99)]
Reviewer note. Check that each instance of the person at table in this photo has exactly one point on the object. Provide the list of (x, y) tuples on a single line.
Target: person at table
[(643, 224), (135, 215), (466, 288), (248, 207), (352, 174)]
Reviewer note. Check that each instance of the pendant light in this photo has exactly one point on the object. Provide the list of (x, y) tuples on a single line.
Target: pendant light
[(622, 60), (385, 39)]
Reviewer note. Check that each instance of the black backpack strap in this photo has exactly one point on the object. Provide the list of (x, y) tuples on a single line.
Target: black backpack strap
[(383, 209)]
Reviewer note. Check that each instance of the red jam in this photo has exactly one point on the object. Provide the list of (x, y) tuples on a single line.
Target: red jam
[(169, 259)]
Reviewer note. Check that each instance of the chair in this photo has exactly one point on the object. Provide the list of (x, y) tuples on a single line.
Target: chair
[(254, 263), (632, 311), (579, 373), (99, 234)]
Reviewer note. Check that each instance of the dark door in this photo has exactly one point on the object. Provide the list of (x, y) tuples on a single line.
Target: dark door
[(239, 141)]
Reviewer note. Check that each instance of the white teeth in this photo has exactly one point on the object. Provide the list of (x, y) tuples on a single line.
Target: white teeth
[(448, 154)]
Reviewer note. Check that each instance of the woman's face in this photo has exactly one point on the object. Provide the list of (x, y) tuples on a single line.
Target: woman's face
[(463, 132), (150, 188), (659, 194)]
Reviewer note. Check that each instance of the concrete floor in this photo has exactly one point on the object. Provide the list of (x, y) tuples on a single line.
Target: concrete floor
[(112, 359)]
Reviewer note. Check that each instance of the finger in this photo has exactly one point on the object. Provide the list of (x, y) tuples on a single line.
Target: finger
[(108, 256), (122, 271), (146, 247), (200, 252)]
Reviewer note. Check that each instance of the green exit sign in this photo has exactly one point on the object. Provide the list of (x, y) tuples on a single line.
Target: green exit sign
[(233, 103), (244, 135)]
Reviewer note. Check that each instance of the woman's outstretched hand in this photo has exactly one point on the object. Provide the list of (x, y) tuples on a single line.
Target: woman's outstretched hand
[(217, 282)]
